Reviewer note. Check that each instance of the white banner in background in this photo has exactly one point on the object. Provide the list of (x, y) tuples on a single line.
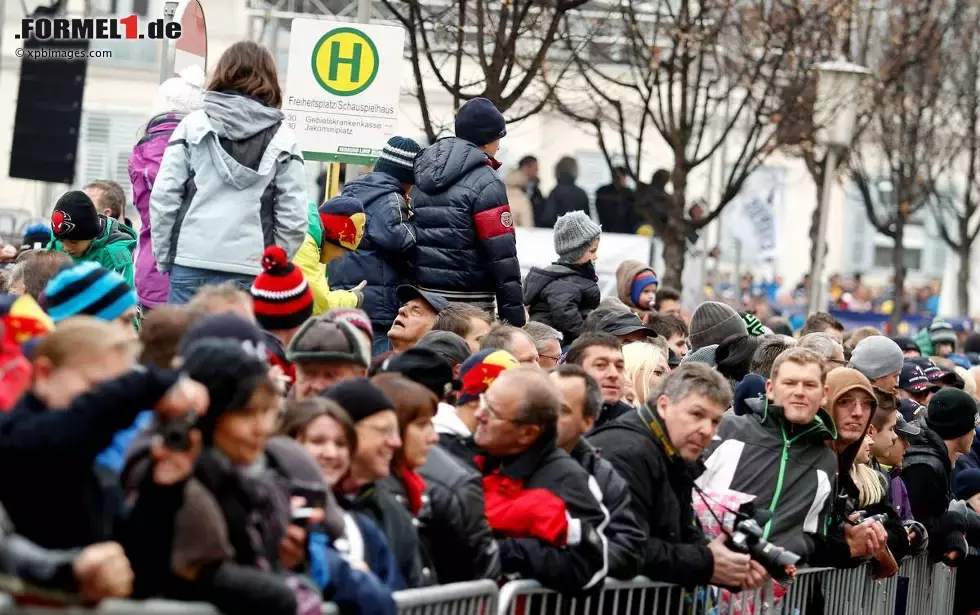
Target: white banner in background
[(753, 213)]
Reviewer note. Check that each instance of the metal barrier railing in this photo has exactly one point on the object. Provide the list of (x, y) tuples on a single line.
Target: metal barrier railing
[(919, 588)]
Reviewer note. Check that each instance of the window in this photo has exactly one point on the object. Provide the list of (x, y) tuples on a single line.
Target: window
[(104, 148), (913, 258)]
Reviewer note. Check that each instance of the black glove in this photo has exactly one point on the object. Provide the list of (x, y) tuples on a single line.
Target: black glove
[(949, 545)]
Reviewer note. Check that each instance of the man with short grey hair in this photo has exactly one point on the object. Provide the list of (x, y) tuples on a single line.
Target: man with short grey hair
[(547, 340), (825, 345), (515, 341), (656, 448), (543, 507)]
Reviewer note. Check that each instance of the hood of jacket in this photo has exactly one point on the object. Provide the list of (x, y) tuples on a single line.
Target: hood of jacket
[(625, 273), (841, 381), (929, 446), (538, 278), (243, 127), (113, 233), (372, 187), (442, 164), (515, 178)]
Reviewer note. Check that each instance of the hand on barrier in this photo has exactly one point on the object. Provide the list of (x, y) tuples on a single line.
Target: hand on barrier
[(102, 571), (757, 576), (185, 395), (731, 568)]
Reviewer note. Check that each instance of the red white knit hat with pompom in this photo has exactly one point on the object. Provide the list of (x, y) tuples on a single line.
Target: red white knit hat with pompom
[(281, 298)]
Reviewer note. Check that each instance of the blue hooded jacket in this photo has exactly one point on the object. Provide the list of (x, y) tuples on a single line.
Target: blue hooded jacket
[(385, 252)]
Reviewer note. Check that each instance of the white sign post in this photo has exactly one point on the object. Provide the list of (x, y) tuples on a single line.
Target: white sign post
[(343, 84)]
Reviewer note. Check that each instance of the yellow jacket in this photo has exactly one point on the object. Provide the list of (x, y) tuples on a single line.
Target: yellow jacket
[(315, 272)]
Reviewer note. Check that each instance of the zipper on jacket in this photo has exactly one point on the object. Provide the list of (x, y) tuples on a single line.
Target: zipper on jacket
[(782, 472)]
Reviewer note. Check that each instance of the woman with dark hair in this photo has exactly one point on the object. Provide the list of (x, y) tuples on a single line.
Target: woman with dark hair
[(363, 570), (231, 182)]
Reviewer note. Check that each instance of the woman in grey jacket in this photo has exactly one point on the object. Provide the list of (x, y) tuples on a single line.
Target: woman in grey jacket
[(231, 182)]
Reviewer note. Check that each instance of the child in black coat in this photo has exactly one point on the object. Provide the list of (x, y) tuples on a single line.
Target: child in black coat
[(562, 294)]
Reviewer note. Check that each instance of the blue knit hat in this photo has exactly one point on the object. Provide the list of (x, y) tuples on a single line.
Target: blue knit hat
[(88, 288), (479, 122), (36, 236), (398, 159)]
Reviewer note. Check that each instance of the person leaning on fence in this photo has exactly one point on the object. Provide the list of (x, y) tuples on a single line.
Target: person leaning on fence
[(657, 449), (454, 526), (544, 508), (363, 490), (778, 453), (581, 402)]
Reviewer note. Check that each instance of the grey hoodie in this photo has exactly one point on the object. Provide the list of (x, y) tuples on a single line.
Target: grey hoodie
[(231, 183)]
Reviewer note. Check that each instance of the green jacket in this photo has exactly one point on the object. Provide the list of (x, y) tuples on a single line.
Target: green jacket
[(113, 248)]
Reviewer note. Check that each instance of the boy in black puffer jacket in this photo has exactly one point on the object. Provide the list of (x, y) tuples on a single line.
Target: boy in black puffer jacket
[(562, 294)]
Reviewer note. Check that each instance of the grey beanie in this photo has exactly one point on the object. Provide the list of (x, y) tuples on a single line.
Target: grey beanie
[(705, 354), (574, 232), (713, 322), (877, 356)]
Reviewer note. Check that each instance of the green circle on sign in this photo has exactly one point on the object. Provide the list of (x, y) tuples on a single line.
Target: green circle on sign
[(360, 67)]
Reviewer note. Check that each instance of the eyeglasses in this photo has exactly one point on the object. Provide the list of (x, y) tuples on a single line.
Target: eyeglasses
[(486, 407), (548, 356)]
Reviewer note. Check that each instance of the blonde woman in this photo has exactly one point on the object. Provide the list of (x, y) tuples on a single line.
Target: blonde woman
[(645, 365)]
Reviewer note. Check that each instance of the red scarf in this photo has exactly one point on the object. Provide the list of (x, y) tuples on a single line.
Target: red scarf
[(414, 488)]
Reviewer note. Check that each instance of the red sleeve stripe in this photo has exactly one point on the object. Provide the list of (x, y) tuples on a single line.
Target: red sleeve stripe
[(494, 222)]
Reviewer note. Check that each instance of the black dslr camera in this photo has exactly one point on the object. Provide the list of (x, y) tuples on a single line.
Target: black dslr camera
[(746, 537), (176, 432)]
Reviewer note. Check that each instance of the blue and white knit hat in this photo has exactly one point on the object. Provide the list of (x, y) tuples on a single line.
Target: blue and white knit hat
[(398, 159), (88, 288)]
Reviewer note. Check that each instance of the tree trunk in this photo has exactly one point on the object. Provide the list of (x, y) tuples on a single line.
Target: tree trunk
[(898, 262), (675, 246), (963, 279), (675, 237)]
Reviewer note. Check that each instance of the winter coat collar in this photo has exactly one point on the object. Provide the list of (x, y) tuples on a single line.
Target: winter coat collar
[(822, 427), (522, 465)]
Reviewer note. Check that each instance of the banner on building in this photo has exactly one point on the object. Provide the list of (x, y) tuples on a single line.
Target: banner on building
[(754, 214)]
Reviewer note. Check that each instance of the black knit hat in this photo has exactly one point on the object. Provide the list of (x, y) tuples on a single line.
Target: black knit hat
[(359, 397), (230, 372), (480, 123), (75, 217), (424, 366), (952, 414)]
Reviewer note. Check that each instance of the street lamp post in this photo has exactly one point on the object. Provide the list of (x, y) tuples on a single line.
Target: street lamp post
[(835, 115)]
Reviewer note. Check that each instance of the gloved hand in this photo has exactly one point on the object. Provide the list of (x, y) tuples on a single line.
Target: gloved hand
[(949, 543), (918, 536)]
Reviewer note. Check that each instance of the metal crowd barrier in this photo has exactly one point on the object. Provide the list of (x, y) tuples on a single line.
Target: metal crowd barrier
[(919, 588)]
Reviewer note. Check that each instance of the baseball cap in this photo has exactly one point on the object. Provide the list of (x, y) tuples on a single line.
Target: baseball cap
[(452, 347), (910, 409), (913, 379), (906, 430), (406, 293), (907, 344), (624, 323), (932, 371)]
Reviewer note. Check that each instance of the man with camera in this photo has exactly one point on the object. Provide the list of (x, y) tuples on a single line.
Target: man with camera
[(657, 449), (779, 453)]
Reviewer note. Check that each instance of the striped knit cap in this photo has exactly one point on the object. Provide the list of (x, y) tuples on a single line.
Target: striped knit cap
[(281, 298), (88, 288), (398, 159)]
